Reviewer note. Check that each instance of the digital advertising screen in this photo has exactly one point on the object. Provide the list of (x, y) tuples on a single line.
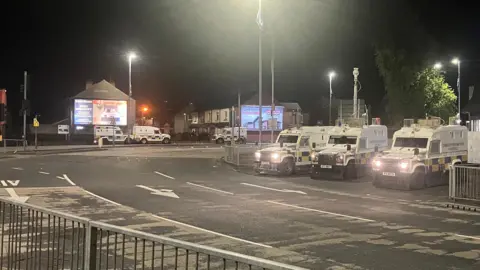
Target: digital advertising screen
[(250, 117), (100, 112)]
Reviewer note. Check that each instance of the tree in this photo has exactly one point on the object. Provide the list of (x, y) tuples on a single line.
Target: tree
[(439, 96)]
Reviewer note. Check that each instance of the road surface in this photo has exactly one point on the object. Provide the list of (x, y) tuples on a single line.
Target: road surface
[(189, 195)]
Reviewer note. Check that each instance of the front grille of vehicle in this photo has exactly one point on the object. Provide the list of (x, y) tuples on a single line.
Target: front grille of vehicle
[(390, 165), (326, 159)]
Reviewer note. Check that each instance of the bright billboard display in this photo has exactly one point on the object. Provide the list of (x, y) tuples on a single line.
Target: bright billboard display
[(250, 117), (100, 112)]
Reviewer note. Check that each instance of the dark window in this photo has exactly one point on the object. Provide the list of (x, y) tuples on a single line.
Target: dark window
[(287, 139), (411, 142), (435, 147), (342, 140), (156, 132)]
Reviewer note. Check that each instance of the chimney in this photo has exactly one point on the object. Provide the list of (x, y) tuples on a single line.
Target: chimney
[(88, 84)]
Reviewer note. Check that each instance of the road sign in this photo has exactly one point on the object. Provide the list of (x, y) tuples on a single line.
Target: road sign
[(35, 122), (63, 129)]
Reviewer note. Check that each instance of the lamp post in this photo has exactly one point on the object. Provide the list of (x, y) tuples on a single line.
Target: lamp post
[(131, 56), (331, 75), (457, 62), (438, 66), (260, 26)]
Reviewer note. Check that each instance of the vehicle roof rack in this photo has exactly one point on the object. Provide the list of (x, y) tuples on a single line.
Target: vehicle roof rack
[(351, 122), (432, 122)]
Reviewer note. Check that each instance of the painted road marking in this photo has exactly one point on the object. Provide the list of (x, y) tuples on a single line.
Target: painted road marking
[(59, 177), (15, 196), (43, 172), (214, 189), (102, 198), (17, 168), (164, 175), (320, 211), (274, 189), (161, 192), (65, 177), (14, 183), (212, 232), (466, 236)]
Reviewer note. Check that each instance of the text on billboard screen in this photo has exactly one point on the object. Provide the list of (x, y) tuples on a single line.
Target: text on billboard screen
[(250, 117)]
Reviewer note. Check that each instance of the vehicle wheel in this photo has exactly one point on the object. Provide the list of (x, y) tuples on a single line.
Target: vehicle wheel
[(350, 171), (166, 141), (287, 167), (417, 180), (241, 141), (220, 141), (144, 141)]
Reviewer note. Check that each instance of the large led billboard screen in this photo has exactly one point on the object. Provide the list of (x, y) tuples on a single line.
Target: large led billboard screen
[(250, 117), (100, 112)]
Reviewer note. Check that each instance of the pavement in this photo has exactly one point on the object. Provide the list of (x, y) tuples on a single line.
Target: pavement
[(188, 194)]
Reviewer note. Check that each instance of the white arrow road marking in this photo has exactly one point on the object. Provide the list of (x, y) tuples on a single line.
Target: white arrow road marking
[(214, 189), (17, 168), (43, 172), (15, 196), (320, 211), (164, 175), (11, 182), (65, 177), (59, 177), (274, 189), (161, 192)]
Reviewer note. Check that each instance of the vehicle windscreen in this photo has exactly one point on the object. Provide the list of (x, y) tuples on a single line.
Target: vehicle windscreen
[(411, 142), (342, 140), (287, 139)]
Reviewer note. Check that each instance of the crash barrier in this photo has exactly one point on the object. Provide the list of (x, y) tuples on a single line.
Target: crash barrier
[(33, 237), (240, 155), (465, 182)]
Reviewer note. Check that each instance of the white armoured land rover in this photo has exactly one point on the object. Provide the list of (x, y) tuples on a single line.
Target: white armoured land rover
[(421, 154), (350, 149), (292, 151)]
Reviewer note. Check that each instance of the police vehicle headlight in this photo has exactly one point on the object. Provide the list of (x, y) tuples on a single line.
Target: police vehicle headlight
[(314, 157), (257, 155), (377, 163), (275, 156), (403, 165), (339, 158)]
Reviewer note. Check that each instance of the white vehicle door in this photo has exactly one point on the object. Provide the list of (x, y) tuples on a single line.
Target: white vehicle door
[(303, 151)]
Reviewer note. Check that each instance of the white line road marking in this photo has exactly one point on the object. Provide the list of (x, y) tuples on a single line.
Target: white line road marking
[(274, 189), (59, 177), (161, 192), (320, 211), (15, 196), (218, 190), (65, 177), (102, 198), (43, 172), (162, 174), (14, 183), (17, 168), (212, 232), (467, 236)]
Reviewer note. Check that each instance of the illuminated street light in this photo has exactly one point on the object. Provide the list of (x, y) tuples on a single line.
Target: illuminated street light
[(456, 61), (437, 66), (145, 109), (331, 75)]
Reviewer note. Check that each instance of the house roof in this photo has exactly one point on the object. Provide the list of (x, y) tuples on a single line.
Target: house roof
[(102, 90), (291, 106)]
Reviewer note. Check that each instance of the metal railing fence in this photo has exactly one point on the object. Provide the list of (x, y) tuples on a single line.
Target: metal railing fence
[(464, 182), (241, 155), (34, 237)]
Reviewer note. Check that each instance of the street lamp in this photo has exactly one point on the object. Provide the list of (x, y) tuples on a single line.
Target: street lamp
[(456, 61), (131, 56), (331, 75), (437, 66)]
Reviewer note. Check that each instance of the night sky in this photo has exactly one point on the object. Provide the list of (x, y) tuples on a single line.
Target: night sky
[(205, 51)]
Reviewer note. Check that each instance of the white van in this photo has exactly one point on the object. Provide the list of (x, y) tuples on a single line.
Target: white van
[(107, 133), (148, 134)]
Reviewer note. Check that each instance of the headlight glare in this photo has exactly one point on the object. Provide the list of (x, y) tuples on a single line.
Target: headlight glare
[(403, 165), (377, 163), (275, 156), (257, 155)]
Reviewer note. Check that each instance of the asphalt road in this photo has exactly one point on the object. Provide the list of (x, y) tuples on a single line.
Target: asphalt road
[(312, 223)]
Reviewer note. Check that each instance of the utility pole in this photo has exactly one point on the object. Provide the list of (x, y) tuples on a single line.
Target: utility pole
[(239, 114), (458, 88), (355, 91), (25, 87), (260, 24)]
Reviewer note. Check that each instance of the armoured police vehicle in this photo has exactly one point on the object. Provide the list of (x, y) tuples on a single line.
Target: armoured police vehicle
[(421, 154), (350, 149), (291, 153)]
